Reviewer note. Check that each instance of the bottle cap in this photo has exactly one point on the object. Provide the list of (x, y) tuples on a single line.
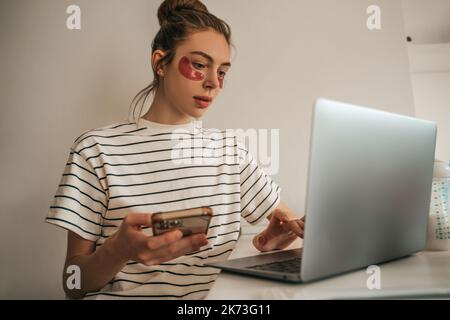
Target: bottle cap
[(441, 169)]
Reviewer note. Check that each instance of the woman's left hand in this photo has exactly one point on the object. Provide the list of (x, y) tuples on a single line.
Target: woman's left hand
[(284, 228)]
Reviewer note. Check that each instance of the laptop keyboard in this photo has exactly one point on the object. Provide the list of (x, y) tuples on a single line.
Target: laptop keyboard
[(287, 266)]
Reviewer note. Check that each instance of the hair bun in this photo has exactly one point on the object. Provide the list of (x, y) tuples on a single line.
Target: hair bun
[(168, 7)]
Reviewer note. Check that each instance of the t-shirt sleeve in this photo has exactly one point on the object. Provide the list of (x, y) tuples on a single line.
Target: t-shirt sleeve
[(80, 200), (259, 194)]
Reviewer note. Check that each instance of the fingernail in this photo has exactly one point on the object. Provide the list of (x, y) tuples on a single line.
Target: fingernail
[(179, 234)]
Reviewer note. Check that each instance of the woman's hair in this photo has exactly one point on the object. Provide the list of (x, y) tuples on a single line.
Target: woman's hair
[(178, 19)]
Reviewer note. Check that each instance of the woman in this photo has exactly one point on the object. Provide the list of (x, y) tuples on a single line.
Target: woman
[(118, 175)]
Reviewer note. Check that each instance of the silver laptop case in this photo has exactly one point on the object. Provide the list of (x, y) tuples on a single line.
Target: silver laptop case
[(369, 188)]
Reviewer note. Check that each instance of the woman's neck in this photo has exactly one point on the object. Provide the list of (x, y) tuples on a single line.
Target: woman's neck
[(161, 111)]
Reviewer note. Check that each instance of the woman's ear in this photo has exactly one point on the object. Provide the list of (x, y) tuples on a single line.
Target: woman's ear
[(157, 55)]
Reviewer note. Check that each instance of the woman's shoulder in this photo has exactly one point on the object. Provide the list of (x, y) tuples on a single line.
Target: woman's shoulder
[(108, 131)]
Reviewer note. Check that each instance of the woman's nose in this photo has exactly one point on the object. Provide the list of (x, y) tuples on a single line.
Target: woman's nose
[(211, 82)]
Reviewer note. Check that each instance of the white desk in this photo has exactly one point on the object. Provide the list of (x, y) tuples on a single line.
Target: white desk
[(420, 275)]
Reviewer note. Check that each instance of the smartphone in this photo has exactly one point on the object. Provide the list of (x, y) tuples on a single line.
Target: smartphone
[(190, 221)]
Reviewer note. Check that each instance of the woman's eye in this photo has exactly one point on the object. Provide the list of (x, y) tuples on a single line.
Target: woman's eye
[(198, 65), (222, 74)]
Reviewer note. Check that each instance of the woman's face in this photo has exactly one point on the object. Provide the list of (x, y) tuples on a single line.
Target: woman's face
[(196, 75)]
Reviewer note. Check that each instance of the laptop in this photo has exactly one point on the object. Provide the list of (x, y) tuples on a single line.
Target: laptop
[(368, 198)]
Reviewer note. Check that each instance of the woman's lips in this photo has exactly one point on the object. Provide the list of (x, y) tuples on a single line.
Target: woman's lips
[(203, 102)]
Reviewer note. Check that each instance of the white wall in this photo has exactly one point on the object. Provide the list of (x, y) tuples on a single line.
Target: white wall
[(55, 84), (291, 52), (428, 24), (427, 21), (430, 69)]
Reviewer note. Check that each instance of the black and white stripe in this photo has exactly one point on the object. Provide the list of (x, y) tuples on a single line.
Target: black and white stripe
[(124, 168)]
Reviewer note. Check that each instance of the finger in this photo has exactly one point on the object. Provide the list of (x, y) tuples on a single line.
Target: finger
[(156, 242), (178, 248), (275, 243), (302, 223), (286, 216), (261, 239), (295, 227), (276, 223), (284, 242), (271, 231), (188, 245), (292, 226), (281, 223), (259, 242), (274, 229), (138, 220), (280, 215)]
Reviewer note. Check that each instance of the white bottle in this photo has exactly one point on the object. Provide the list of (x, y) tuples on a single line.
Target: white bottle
[(438, 225)]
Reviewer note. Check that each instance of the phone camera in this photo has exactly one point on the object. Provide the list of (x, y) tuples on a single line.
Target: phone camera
[(163, 225), (175, 223)]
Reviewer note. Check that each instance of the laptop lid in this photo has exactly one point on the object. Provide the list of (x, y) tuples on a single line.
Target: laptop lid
[(369, 187)]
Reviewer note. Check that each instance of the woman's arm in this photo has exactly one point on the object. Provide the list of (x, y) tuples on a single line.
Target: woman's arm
[(99, 266)]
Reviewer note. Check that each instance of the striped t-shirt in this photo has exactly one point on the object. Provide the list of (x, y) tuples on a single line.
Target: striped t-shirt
[(146, 168)]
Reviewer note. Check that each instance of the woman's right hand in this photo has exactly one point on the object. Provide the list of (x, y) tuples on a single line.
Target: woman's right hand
[(131, 243)]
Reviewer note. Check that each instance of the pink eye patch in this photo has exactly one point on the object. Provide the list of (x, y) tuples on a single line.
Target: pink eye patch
[(186, 70)]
